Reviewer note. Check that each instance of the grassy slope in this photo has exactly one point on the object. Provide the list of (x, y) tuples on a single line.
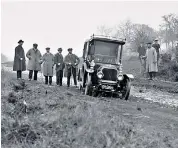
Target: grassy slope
[(63, 118)]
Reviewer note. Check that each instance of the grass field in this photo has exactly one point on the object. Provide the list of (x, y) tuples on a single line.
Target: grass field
[(63, 118)]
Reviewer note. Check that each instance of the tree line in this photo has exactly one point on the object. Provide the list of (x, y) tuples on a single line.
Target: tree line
[(136, 33)]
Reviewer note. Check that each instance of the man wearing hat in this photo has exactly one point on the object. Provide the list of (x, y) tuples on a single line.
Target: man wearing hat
[(48, 64), (58, 61), (71, 61), (151, 61), (34, 65), (156, 45), (19, 64), (142, 51)]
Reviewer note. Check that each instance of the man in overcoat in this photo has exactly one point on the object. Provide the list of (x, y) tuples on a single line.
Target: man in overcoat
[(34, 65), (19, 64), (71, 61), (58, 61), (151, 61), (48, 64)]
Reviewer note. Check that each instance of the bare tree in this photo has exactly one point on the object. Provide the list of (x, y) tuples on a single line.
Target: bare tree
[(142, 33), (103, 30), (125, 30), (169, 29)]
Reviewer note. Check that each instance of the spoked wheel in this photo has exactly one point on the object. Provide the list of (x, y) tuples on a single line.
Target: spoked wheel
[(126, 91), (88, 86)]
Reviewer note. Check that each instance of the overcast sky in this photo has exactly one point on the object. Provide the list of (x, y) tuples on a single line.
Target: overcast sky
[(68, 24)]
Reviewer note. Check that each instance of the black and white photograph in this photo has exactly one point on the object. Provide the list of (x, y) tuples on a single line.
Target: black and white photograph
[(89, 74)]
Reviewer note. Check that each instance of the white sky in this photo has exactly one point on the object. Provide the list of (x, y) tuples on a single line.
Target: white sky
[(68, 24)]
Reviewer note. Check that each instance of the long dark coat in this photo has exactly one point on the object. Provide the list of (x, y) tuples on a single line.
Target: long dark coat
[(48, 63), (18, 64), (58, 58), (34, 59)]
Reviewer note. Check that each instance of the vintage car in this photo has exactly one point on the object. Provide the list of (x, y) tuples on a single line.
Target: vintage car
[(101, 70)]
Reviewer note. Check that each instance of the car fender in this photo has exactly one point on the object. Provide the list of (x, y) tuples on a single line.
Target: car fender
[(130, 76)]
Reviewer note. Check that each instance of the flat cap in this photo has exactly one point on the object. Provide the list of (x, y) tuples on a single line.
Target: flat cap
[(70, 49), (35, 44), (156, 39), (59, 49)]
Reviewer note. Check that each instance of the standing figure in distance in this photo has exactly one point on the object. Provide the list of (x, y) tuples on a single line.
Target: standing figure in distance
[(19, 64), (71, 61), (34, 65), (142, 52), (58, 61), (151, 61), (156, 45), (48, 64)]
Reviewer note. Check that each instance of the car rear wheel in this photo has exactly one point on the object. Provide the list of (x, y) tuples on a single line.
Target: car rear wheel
[(126, 91)]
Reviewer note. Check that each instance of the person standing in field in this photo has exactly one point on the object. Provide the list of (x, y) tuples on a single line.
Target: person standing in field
[(151, 61), (48, 64), (34, 65), (19, 64), (142, 51), (71, 61), (156, 45), (58, 61)]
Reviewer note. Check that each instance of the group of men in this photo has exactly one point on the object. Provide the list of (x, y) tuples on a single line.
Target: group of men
[(70, 63), (149, 58)]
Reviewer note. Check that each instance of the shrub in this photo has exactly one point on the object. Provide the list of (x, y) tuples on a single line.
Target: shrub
[(165, 58), (168, 68)]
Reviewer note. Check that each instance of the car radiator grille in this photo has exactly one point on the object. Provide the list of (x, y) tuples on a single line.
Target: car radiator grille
[(110, 74)]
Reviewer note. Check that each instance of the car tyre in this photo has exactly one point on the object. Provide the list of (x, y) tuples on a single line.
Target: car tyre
[(126, 94)]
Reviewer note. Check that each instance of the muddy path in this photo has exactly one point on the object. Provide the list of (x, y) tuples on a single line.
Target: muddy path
[(149, 114)]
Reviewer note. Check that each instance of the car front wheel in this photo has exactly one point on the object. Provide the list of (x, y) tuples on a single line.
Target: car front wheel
[(126, 91)]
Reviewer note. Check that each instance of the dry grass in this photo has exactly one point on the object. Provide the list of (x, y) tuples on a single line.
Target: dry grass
[(61, 119)]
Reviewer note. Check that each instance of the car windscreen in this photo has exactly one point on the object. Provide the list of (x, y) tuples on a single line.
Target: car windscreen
[(104, 52)]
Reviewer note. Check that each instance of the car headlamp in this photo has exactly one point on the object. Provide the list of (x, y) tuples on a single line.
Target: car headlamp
[(100, 75), (120, 77)]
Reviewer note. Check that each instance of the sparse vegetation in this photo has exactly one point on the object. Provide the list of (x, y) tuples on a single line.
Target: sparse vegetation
[(168, 68), (63, 118)]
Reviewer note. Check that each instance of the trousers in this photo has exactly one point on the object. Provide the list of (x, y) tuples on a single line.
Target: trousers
[(48, 79), (19, 74), (31, 74), (71, 71)]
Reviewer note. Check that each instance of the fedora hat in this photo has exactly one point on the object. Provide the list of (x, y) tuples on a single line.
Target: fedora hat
[(20, 41)]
